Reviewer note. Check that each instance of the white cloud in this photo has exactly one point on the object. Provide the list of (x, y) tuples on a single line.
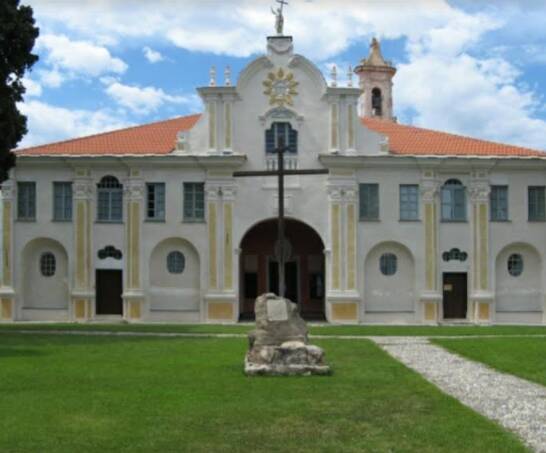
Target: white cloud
[(51, 78), (78, 57), (33, 88), (143, 100), (153, 56), (48, 123)]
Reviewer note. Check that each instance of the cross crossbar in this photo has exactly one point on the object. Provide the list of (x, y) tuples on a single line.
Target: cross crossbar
[(281, 173)]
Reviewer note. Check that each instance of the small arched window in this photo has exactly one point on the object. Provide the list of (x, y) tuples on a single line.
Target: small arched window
[(388, 264), (176, 262), (453, 201), (110, 200), (48, 264), (515, 265), (377, 102), (281, 132)]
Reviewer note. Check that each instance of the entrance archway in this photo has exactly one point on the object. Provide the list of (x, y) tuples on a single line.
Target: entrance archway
[(304, 269)]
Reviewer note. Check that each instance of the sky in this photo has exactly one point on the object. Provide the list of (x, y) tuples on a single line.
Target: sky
[(470, 67)]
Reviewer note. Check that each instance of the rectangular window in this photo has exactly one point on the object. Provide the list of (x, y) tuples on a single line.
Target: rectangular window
[(155, 204), (26, 200), (537, 206), (110, 205), (409, 202), (62, 201), (499, 203), (369, 201), (278, 131), (453, 203), (194, 201)]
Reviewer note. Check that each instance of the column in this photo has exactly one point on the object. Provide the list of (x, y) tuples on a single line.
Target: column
[(342, 296), (82, 293), (133, 294), (221, 299), (431, 296), (481, 297), (7, 293)]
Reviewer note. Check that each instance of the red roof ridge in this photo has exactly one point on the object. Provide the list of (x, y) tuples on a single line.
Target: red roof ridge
[(114, 131)]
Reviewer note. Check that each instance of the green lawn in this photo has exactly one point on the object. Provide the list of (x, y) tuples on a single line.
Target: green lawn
[(524, 357), (314, 329), (140, 394)]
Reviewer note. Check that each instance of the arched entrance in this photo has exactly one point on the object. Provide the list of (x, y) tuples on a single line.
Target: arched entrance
[(304, 269)]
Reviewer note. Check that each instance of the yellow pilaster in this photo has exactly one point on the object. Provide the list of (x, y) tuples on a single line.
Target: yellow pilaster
[(213, 270), (83, 267), (336, 249), (6, 243), (351, 246), (430, 247), (228, 246), (334, 132)]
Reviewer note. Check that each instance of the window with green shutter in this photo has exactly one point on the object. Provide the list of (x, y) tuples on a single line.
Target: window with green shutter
[(26, 200), (194, 202), (369, 201), (498, 203), (409, 202), (155, 201), (536, 201), (62, 201)]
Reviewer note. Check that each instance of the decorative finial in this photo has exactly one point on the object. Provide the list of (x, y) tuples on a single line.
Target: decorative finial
[(350, 77), (212, 73), (333, 75), (279, 18), (227, 76)]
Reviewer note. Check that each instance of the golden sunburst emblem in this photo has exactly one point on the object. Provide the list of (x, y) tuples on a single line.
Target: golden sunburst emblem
[(280, 86)]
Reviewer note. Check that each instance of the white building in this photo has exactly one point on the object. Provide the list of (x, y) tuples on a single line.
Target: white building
[(149, 224)]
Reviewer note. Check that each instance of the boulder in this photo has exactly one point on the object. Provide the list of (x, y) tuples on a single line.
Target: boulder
[(279, 345)]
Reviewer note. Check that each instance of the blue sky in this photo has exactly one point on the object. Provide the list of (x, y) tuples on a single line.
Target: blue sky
[(470, 67)]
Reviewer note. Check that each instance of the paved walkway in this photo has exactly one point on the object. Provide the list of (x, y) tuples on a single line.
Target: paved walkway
[(515, 403)]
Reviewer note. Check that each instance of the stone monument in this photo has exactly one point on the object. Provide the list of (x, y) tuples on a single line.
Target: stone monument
[(279, 346)]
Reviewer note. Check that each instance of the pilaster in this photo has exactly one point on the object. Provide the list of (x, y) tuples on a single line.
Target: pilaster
[(133, 294), (481, 297), (82, 293), (221, 299), (342, 295), (431, 297), (7, 293)]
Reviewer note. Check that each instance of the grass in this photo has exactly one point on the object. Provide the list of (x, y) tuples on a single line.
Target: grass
[(143, 394), (314, 329), (523, 357)]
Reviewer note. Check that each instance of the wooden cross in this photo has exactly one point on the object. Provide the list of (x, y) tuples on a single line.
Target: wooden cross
[(280, 173)]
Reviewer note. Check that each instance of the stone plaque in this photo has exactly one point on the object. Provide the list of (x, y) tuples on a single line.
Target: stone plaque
[(276, 310)]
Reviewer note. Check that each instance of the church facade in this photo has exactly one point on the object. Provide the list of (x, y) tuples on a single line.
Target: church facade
[(148, 224)]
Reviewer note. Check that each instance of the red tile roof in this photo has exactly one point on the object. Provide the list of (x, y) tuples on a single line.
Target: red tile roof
[(160, 137), (153, 138), (410, 140)]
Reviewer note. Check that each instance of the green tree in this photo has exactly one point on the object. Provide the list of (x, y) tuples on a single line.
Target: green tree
[(17, 36)]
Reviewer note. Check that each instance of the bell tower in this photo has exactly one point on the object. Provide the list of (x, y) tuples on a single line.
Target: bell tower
[(375, 75)]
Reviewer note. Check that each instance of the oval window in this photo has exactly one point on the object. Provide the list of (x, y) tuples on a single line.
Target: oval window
[(388, 264), (515, 265), (176, 262), (47, 264)]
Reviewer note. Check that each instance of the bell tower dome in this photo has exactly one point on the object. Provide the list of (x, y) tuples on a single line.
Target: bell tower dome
[(375, 75)]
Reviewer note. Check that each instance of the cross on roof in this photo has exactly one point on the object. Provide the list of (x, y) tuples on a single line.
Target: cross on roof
[(281, 173)]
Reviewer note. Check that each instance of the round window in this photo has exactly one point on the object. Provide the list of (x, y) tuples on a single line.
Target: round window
[(176, 262), (47, 264), (515, 265), (388, 264)]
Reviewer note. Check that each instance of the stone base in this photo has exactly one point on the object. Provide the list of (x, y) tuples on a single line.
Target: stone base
[(292, 358)]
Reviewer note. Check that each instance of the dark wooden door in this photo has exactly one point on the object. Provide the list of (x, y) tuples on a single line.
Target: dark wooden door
[(290, 279), (455, 295), (109, 284)]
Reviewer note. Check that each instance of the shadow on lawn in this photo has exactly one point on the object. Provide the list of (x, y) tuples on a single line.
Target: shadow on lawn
[(16, 352)]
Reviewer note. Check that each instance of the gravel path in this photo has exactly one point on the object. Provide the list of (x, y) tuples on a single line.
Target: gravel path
[(515, 403)]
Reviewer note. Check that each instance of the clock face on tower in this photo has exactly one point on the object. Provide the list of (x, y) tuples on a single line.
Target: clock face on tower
[(280, 86)]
